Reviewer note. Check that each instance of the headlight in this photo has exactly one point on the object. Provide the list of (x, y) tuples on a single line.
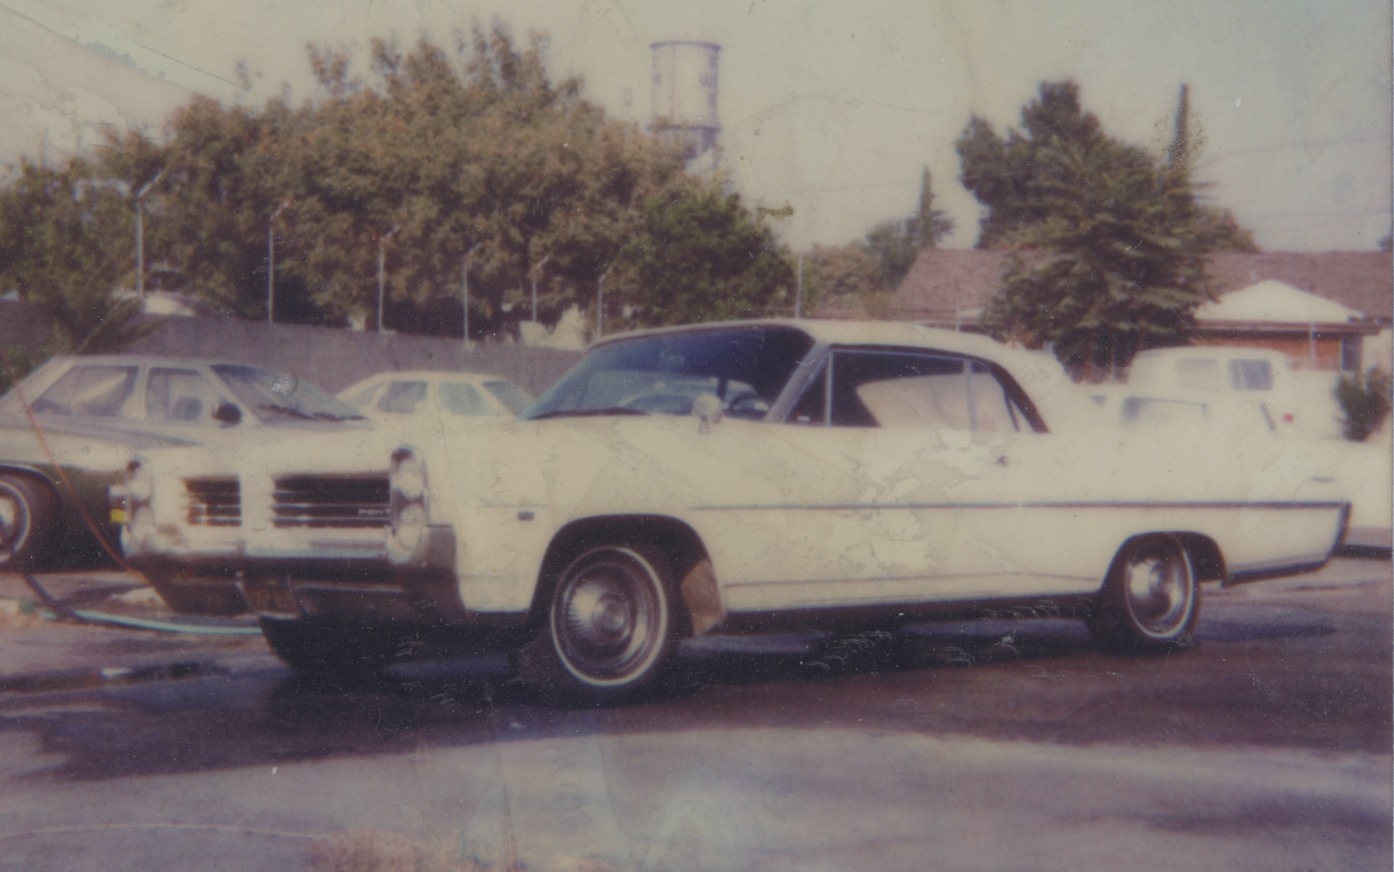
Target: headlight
[(409, 479), (410, 510), (139, 521)]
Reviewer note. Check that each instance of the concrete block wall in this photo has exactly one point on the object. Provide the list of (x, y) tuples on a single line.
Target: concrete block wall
[(331, 358)]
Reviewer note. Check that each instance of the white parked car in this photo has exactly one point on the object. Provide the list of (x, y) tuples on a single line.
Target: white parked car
[(826, 474), (1300, 401), (1242, 423), (69, 428), (398, 397), (1212, 368), (1200, 416)]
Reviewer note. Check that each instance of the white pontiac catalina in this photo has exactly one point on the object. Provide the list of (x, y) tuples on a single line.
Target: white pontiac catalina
[(734, 478)]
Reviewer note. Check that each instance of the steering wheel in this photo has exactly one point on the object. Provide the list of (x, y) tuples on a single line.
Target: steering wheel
[(660, 402), (748, 406)]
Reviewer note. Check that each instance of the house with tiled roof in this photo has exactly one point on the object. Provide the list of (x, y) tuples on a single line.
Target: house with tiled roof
[(1284, 293)]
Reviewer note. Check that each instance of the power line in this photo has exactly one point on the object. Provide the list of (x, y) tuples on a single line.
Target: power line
[(1382, 210), (1327, 143)]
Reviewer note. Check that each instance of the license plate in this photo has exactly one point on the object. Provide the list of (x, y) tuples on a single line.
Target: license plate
[(271, 597)]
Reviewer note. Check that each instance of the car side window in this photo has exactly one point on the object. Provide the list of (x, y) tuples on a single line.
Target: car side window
[(462, 399), (514, 398), (99, 391), (179, 395), (908, 389), (363, 398), (402, 397)]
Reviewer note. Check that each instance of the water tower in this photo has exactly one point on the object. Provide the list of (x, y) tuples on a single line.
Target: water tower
[(684, 97)]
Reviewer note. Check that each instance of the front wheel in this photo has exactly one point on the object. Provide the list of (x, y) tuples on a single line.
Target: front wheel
[(1151, 600), (329, 649), (26, 519), (610, 627)]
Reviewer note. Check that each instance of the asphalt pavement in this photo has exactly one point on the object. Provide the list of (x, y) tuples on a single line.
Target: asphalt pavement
[(993, 745), (107, 626)]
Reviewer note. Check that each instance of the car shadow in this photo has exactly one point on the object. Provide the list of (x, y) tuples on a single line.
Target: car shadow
[(938, 677)]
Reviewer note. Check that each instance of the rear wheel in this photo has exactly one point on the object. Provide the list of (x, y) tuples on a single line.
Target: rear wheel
[(610, 627), (1151, 599), (26, 520)]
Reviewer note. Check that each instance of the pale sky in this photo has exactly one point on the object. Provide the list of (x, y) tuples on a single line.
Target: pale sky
[(828, 106)]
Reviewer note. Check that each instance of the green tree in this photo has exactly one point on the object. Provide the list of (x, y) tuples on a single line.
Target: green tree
[(67, 244), (1217, 229), (225, 174), (1006, 174), (843, 276), (931, 224), (897, 243), (894, 246), (702, 256), (1110, 248), (480, 163), (1365, 402), (436, 168)]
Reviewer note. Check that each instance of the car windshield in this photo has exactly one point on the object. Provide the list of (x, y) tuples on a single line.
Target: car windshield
[(745, 367), (274, 397)]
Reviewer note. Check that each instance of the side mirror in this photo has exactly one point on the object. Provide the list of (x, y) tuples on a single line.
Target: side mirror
[(227, 413), (708, 409)]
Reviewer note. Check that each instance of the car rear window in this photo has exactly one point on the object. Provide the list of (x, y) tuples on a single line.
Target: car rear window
[(94, 390), (1250, 375)]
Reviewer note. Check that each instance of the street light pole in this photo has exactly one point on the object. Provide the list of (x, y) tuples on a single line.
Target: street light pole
[(600, 302), (537, 267), (382, 270), (465, 292), (140, 233), (271, 262), (798, 291)]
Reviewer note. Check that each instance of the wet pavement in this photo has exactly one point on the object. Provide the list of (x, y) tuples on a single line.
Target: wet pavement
[(975, 745)]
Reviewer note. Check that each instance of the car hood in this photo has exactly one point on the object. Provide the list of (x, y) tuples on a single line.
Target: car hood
[(14, 429)]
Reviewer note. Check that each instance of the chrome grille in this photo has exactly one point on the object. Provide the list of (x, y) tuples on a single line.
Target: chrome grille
[(214, 502), (330, 501)]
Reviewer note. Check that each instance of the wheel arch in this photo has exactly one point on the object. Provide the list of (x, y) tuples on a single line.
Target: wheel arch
[(679, 544), (1168, 614), (1207, 561), (59, 499), (33, 474), (44, 506)]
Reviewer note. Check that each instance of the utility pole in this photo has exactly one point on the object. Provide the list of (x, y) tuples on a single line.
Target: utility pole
[(140, 233)]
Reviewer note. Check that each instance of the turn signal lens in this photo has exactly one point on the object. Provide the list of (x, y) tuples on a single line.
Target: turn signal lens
[(140, 484)]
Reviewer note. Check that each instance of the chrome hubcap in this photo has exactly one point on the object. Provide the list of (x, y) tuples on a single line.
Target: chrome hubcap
[(607, 620), (9, 520), (1159, 592)]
